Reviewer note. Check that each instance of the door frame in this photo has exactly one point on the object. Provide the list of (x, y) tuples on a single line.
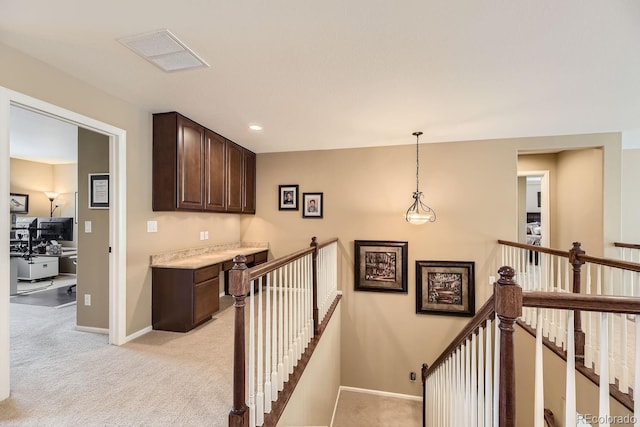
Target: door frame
[(117, 218), (545, 209)]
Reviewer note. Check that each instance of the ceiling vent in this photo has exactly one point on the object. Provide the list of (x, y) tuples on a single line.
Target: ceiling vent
[(163, 49)]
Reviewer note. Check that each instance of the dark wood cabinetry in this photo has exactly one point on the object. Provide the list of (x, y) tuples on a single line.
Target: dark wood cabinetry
[(182, 299), (196, 169)]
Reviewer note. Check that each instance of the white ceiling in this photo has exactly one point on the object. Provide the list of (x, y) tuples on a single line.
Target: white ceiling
[(336, 73)]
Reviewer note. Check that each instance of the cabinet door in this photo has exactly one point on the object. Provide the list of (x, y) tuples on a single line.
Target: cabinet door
[(205, 300), (214, 172), (249, 183), (234, 177), (190, 165)]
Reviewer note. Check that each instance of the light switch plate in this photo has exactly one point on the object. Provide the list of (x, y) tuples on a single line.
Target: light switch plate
[(87, 226), (152, 226)]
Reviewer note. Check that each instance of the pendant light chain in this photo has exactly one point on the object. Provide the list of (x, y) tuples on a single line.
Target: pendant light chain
[(417, 134)]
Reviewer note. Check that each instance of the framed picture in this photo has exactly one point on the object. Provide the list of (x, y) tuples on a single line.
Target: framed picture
[(380, 266), (98, 191), (445, 287), (288, 197), (312, 205), (18, 203)]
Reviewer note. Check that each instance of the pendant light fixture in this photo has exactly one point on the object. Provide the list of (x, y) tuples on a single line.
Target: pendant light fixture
[(418, 212)]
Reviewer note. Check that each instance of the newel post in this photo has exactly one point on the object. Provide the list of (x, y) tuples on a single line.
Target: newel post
[(576, 262), (314, 269), (239, 287), (508, 306)]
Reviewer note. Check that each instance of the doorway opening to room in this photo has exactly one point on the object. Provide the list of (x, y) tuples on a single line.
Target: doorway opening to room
[(115, 229), (534, 225)]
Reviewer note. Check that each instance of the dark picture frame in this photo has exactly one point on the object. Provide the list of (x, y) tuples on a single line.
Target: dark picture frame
[(381, 266), (18, 203), (98, 191), (312, 205), (288, 197), (445, 287)]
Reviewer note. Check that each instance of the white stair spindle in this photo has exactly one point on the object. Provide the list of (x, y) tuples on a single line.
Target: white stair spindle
[(259, 361), (481, 375), (538, 420), (603, 406), (570, 391), (496, 374), (251, 403)]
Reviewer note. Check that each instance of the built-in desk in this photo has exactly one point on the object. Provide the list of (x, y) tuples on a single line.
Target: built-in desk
[(186, 284)]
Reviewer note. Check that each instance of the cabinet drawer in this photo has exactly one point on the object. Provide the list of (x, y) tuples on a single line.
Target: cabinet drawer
[(205, 300), (260, 257), (206, 273)]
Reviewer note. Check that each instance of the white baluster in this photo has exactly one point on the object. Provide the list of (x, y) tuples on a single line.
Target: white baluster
[(588, 344), (538, 410), (636, 382), (252, 368), (473, 386), (488, 378), (281, 330), (570, 390), (259, 362), (496, 373), (603, 407), (481, 375), (467, 381)]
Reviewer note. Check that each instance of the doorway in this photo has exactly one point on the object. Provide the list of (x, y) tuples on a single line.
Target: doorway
[(117, 221), (534, 225)]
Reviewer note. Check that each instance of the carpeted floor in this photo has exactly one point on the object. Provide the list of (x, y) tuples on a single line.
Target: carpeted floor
[(357, 409), (63, 377)]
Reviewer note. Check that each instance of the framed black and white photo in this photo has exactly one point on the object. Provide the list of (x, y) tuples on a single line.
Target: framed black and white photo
[(288, 197), (445, 287), (98, 191), (312, 205), (18, 203), (380, 266)]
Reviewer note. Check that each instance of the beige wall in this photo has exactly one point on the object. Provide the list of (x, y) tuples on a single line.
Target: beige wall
[(314, 398), (93, 248), (175, 230), (630, 199), (473, 188), (32, 178), (580, 204)]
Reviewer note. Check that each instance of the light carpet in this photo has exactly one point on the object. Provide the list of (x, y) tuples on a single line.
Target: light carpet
[(63, 377)]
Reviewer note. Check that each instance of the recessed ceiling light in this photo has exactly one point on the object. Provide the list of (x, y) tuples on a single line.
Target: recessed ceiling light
[(256, 128), (164, 49)]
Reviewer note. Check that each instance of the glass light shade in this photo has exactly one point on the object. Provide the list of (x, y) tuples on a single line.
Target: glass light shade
[(419, 213), (51, 195)]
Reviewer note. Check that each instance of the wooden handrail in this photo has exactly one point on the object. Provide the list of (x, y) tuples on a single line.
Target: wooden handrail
[(535, 248), (608, 262), (485, 313), (626, 245), (267, 267), (571, 301)]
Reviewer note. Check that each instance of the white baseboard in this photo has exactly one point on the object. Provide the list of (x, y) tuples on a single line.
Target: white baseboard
[(140, 333), (92, 330), (381, 393)]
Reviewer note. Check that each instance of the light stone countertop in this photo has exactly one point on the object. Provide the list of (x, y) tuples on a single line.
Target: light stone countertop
[(192, 259)]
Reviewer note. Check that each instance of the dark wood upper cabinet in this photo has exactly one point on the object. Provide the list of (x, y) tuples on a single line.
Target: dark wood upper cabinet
[(215, 149), (249, 187), (196, 169), (234, 177)]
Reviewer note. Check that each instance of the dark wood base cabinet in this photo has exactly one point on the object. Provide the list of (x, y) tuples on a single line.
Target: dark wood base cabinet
[(183, 299)]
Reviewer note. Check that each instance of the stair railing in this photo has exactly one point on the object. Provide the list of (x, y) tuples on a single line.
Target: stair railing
[(290, 301), (459, 391)]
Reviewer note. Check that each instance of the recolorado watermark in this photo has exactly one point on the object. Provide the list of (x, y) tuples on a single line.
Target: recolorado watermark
[(609, 419)]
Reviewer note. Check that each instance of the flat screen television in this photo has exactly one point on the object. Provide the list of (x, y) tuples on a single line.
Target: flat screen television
[(59, 229)]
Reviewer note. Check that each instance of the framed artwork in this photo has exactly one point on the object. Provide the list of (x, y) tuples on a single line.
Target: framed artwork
[(380, 266), (312, 205), (445, 287), (98, 191), (18, 203), (288, 197)]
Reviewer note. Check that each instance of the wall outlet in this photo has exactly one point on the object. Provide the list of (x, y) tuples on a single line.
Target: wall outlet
[(152, 226), (492, 280), (87, 299), (412, 376)]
